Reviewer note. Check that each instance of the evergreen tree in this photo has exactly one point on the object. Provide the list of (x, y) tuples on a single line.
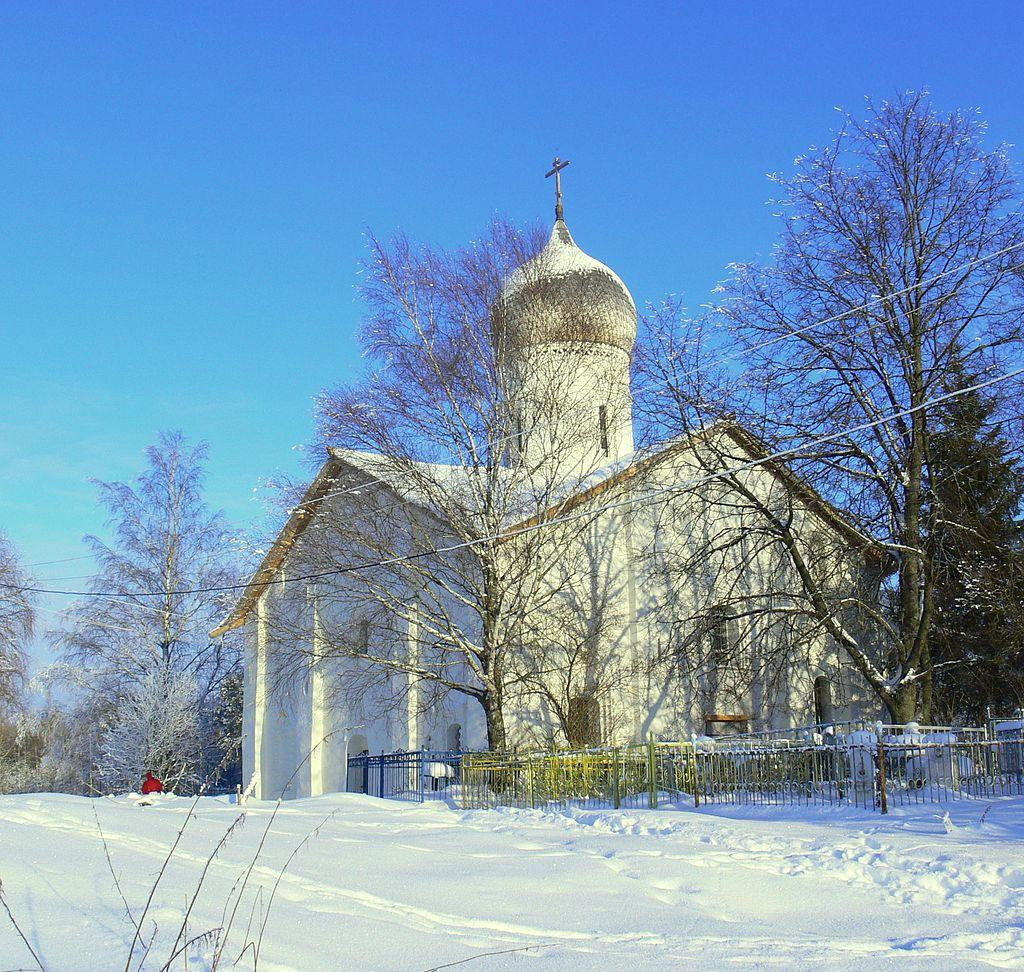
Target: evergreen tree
[(227, 731), (977, 551)]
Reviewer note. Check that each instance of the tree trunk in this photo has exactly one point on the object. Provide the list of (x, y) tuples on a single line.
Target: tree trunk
[(926, 684), (495, 721), (903, 708)]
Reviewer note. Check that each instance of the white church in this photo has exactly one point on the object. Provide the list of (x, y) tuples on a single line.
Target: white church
[(657, 608)]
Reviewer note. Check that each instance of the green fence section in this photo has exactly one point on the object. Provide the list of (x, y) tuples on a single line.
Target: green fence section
[(861, 770), (619, 776)]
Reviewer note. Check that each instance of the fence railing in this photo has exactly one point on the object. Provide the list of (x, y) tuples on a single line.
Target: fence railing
[(861, 768), (939, 772), (821, 732), (871, 774), (414, 776), (626, 776)]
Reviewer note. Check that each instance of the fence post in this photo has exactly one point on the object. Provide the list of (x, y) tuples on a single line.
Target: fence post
[(529, 779), (696, 781), (616, 798), (423, 764), (883, 797), (652, 774), (381, 791)]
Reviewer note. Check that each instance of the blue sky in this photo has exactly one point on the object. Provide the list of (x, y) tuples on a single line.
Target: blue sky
[(186, 189)]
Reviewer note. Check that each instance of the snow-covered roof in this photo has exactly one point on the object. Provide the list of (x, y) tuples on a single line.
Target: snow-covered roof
[(525, 503)]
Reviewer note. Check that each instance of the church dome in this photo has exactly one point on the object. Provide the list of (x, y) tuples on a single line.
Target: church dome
[(564, 295)]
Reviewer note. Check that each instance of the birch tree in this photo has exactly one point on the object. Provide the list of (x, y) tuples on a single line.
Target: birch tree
[(158, 591), (17, 619)]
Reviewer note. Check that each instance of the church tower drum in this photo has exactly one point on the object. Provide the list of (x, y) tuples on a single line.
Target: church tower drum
[(567, 327)]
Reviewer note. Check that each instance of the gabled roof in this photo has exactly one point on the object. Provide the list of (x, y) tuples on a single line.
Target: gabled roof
[(379, 471), (375, 469), (299, 518)]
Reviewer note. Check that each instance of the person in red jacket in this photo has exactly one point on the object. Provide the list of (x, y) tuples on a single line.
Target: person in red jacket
[(152, 784)]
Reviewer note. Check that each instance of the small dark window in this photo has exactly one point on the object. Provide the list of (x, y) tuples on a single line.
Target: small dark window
[(362, 637), (723, 636), (726, 675), (602, 419)]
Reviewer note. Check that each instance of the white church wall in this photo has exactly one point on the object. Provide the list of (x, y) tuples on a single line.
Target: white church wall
[(611, 574), (249, 746), (639, 601), (306, 703), (782, 695)]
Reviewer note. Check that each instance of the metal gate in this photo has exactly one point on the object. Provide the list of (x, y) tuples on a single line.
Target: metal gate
[(414, 776)]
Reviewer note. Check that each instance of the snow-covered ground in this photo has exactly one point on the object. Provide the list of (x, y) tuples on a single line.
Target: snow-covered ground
[(389, 886)]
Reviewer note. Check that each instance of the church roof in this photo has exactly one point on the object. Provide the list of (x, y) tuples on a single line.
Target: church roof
[(565, 295), (623, 473), (371, 469), (631, 468)]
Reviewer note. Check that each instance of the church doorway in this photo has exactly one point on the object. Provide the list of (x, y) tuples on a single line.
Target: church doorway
[(357, 764), (453, 738)]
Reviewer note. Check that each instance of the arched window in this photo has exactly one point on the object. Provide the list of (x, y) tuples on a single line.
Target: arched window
[(726, 669), (823, 714), (360, 636), (723, 635), (602, 421)]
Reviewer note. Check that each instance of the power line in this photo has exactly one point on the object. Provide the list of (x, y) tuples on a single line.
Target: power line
[(733, 355), (592, 511), (730, 356), (96, 621), (64, 560)]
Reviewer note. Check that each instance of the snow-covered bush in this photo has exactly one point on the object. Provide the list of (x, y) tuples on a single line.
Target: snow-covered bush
[(49, 775), (154, 726), (35, 755)]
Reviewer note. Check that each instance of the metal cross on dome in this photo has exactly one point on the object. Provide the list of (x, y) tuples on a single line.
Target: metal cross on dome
[(556, 171)]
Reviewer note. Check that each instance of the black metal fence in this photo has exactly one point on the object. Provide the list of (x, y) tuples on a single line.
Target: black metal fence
[(860, 770), (872, 770), (414, 776), (876, 774)]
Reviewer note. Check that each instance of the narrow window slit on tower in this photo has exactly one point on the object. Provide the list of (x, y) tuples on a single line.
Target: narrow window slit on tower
[(602, 418)]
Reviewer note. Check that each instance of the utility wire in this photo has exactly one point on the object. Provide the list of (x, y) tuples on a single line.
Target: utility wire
[(730, 356), (590, 511), (739, 353)]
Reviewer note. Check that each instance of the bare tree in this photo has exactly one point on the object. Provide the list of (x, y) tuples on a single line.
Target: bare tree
[(159, 588), (900, 246), (456, 448), (17, 619)]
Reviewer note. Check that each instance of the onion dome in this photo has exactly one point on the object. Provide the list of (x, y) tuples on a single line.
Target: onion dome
[(564, 295)]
